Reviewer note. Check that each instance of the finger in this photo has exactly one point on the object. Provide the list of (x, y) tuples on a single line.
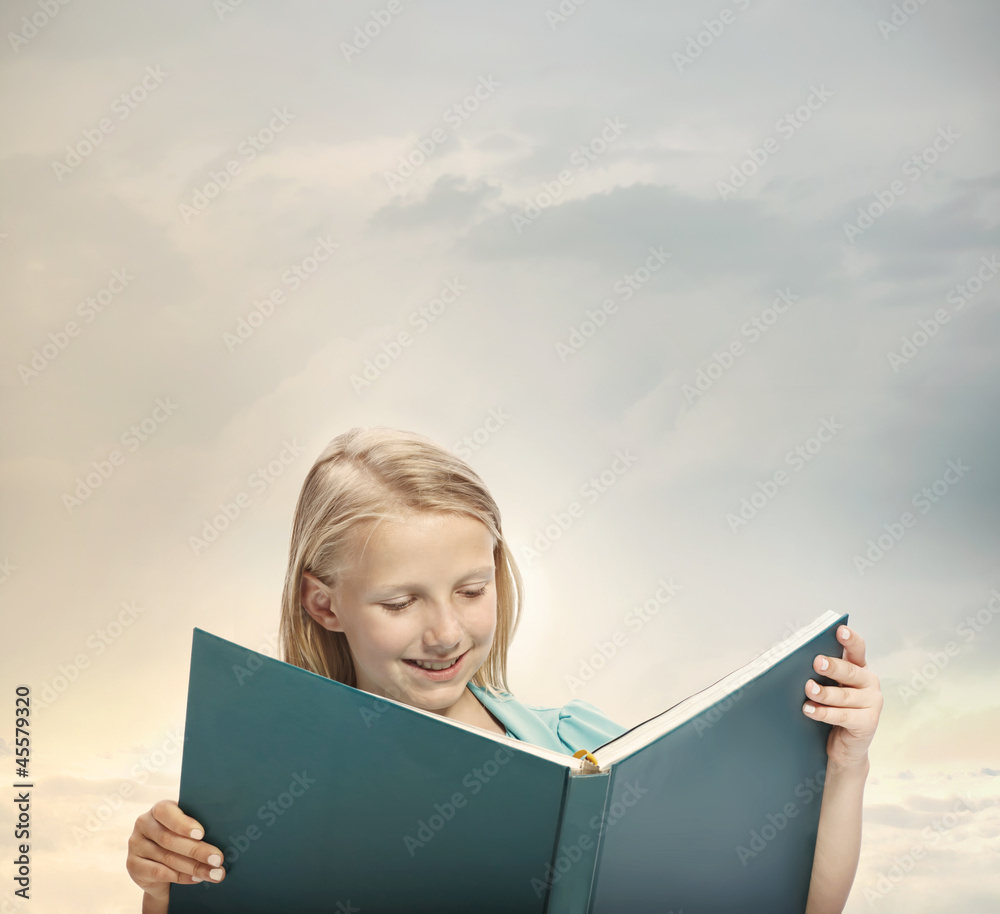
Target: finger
[(845, 672), (188, 832), (179, 864), (170, 815), (854, 645), (855, 720), (152, 828), (147, 872), (837, 697)]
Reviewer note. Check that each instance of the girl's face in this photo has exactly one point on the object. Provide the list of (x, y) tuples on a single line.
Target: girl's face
[(424, 591)]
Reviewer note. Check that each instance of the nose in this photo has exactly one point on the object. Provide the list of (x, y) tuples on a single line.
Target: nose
[(444, 629)]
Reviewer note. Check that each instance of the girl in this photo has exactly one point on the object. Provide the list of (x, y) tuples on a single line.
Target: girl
[(401, 584)]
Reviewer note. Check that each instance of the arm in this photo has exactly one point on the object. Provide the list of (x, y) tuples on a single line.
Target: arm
[(853, 707), (838, 842)]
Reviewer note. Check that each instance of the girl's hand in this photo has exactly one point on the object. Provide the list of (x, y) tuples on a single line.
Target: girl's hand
[(166, 846), (853, 707)]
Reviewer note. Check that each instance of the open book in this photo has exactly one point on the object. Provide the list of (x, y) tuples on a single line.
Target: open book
[(325, 798)]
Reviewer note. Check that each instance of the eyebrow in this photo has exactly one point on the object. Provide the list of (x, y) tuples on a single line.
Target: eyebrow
[(485, 571)]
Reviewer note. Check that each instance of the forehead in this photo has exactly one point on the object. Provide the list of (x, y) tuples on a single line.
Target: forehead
[(427, 541)]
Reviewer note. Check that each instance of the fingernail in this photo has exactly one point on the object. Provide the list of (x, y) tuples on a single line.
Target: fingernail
[(814, 688), (216, 874), (823, 663), (845, 633), (197, 834), (215, 860), (196, 879), (808, 708)]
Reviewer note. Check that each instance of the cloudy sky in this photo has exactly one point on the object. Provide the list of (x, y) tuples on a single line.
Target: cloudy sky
[(746, 250)]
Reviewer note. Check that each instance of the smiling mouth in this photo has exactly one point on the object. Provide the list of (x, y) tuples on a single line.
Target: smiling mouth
[(435, 664)]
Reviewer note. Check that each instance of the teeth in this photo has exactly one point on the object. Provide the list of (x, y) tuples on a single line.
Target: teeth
[(434, 666)]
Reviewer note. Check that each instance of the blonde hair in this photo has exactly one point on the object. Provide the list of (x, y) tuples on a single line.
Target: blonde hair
[(362, 477)]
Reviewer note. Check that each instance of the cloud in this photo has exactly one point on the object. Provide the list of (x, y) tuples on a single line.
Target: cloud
[(496, 346), (452, 200)]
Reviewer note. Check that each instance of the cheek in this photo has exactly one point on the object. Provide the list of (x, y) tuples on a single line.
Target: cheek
[(383, 637), (486, 621)]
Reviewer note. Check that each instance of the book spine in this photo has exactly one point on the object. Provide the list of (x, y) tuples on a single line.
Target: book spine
[(571, 871)]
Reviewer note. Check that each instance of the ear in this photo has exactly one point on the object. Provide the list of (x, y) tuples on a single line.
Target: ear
[(317, 600)]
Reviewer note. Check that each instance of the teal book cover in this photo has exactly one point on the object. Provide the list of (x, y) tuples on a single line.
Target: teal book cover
[(325, 798)]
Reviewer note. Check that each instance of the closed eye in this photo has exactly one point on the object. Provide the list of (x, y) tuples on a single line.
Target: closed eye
[(470, 594)]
